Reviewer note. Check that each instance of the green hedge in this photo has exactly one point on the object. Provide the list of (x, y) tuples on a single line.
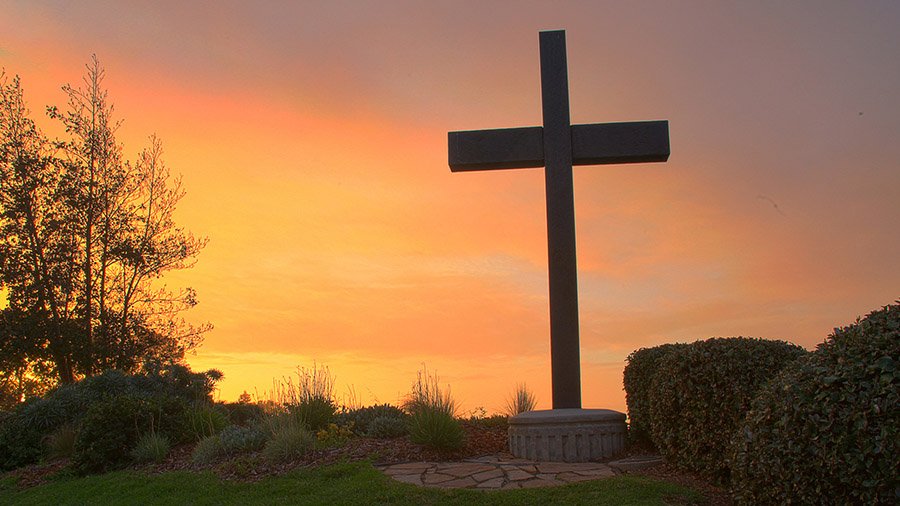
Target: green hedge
[(701, 393), (827, 430), (640, 368)]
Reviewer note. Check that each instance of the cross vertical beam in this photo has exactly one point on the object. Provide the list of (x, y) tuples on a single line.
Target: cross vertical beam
[(564, 347)]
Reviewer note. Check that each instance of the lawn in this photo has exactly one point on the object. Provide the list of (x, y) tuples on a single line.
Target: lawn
[(342, 483)]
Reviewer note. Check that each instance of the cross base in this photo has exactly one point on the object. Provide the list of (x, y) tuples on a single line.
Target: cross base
[(567, 435)]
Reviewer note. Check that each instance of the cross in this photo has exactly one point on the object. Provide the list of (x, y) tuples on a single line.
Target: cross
[(556, 146)]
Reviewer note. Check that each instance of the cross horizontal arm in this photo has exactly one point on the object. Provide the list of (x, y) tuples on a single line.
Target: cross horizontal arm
[(505, 148), (631, 142)]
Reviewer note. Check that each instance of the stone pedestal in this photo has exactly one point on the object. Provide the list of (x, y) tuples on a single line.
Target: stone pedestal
[(567, 435)]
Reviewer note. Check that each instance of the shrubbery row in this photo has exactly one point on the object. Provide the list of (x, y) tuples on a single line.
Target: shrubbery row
[(782, 425)]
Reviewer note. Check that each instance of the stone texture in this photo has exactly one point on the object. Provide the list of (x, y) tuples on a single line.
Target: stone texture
[(567, 435), (491, 484), (435, 478), (414, 479), (466, 482), (488, 475)]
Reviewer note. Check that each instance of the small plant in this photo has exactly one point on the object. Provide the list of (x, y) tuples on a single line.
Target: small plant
[(437, 429), (109, 431), (237, 439), (311, 398), (427, 395), (388, 427), (207, 450), (61, 442), (520, 401), (289, 442), (333, 435), (151, 447)]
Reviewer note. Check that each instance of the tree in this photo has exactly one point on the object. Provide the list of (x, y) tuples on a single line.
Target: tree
[(84, 237)]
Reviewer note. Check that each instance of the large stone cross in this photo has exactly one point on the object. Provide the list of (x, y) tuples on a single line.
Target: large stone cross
[(556, 146)]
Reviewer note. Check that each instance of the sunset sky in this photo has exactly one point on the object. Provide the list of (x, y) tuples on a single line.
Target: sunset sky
[(312, 139)]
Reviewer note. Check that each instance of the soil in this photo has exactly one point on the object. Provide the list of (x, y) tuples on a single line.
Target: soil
[(480, 440)]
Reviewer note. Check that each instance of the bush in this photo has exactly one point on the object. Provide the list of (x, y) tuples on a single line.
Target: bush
[(151, 447), (361, 419), (312, 398), (702, 392), (426, 395), (640, 368), (333, 435), (288, 442), (242, 413), (109, 431), (387, 427), (827, 430)]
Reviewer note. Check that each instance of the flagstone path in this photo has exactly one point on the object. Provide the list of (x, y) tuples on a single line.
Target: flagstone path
[(500, 472)]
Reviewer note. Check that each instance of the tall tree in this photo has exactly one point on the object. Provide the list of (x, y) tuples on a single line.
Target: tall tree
[(84, 236)]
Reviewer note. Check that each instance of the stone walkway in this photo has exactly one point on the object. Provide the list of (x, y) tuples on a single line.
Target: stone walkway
[(498, 472)]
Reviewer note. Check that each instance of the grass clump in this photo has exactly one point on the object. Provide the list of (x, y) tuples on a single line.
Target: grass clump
[(207, 451), (311, 398), (151, 447), (61, 442), (520, 401), (432, 412), (288, 442), (388, 427)]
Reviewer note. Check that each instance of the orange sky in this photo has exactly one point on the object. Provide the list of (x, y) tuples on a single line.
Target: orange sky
[(312, 142)]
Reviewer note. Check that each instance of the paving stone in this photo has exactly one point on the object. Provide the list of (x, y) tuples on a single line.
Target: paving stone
[(518, 474), (408, 467), (415, 479), (574, 477), (435, 478), (466, 482), (488, 475), (494, 483), (528, 468), (464, 469), (564, 467), (511, 484)]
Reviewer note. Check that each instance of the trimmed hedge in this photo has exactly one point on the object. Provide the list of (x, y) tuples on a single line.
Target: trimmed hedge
[(702, 392), (827, 430), (640, 369)]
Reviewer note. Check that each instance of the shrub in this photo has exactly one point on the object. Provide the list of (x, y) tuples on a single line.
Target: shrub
[(20, 442), (237, 439), (242, 413), (436, 428), (426, 395), (288, 442), (702, 392), (640, 368), (827, 429), (207, 450), (333, 435), (387, 427), (522, 400), (361, 419), (151, 447), (109, 431)]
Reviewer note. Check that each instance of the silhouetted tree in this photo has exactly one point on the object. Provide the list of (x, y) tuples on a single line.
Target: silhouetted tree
[(83, 235)]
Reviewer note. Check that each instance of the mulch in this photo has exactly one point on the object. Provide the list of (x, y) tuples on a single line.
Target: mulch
[(480, 441)]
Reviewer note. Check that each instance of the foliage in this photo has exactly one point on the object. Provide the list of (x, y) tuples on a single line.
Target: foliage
[(388, 427), (702, 392), (640, 369), (109, 431), (493, 421), (237, 439), (288, 442), (827, 429), (362, 418), (166, 392), (151, 447), (522, 400), (84, 234), (436, 428)]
